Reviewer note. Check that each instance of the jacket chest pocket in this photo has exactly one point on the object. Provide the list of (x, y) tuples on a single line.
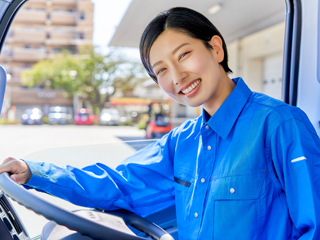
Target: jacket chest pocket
[(237, 206)]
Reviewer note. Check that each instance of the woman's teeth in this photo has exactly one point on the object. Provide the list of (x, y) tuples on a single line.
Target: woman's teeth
[(189, 89)]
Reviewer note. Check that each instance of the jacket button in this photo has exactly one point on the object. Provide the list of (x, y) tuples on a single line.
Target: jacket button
[(196, 215), (203, 180), (207, 127), (232, 190), (209, 147)]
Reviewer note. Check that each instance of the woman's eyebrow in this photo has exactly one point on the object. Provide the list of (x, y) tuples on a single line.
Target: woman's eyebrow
[(173, 52), (177, 48), (157, 63)]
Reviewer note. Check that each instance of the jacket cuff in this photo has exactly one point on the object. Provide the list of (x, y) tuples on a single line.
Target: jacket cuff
[(38, 178)]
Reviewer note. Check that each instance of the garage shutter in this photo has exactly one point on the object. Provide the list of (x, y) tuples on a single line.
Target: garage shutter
[(272, 76)]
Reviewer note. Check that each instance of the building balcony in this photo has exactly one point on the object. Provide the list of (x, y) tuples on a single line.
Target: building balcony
[(64, 2), (88, 23), (26, 35), (61, 38), (17, 71), (3, 56), (66, 42), (79, 42), (31, 16), (85, 5), (63, 18), (14, 82), (60, 42), (37, 2), (25, 54)]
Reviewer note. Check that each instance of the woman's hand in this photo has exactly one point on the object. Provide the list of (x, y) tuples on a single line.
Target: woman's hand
[(20, 172)]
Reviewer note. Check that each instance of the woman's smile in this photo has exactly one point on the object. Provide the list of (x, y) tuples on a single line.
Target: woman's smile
[(191, 89)]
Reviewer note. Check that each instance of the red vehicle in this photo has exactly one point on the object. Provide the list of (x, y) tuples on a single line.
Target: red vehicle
[(157, 129), (159, 123), (84, 116)]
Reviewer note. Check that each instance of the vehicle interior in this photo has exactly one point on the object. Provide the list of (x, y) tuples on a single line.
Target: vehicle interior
[(300, 87)]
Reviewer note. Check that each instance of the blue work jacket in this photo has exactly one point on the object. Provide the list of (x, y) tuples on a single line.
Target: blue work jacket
[(251, 171)]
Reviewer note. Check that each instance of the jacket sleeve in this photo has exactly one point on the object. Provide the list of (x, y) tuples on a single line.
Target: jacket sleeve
[(143, 183), (295, 149)]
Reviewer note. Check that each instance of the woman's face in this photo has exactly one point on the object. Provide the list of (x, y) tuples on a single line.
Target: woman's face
[(187, 70)]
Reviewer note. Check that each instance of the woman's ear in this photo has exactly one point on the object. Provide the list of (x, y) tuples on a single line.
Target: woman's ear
[(216, 43)]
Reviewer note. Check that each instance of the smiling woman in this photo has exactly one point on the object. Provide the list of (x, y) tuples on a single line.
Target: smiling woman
[(246, 168), (241, 142)]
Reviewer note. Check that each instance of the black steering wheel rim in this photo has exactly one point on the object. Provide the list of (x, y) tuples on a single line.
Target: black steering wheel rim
[(76, 222)]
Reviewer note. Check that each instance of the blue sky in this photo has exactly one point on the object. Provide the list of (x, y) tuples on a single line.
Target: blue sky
[(107, 15)]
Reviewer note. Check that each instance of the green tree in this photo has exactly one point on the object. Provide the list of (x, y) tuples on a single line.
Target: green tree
[(89, 74), (131, 75)]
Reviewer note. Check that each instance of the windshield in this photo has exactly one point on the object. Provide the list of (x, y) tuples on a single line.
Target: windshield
[(67, 145), (111, 112), (57, 110), (83, 114)]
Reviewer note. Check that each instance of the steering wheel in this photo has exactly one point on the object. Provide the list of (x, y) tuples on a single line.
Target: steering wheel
[(78, 223)]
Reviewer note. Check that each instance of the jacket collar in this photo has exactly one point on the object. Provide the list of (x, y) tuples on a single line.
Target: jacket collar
[(226, 116)]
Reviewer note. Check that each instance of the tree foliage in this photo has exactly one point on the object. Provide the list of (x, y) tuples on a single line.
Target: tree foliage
[(89, 74)]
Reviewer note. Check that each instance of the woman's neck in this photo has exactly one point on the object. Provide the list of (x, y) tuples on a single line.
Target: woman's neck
[(226, 86)]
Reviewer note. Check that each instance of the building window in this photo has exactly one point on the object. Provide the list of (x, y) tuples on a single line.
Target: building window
[(59, 10), (82, 15), (81, 35), (25, 65), (56, 50), (48, 36)]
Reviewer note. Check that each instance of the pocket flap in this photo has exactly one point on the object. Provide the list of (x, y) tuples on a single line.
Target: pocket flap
[(238, 187)]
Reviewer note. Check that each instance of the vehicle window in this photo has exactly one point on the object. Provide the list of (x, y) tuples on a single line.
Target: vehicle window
[(254, 37), (57, 110), (83, 114), (79, 155)]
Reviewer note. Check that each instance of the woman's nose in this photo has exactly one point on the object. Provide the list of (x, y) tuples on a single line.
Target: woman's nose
[(178, 76)]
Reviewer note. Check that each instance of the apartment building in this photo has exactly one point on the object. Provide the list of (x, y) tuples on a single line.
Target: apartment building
[(40, 29)]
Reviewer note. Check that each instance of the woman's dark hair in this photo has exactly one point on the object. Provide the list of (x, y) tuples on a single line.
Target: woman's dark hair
[(182, 20)]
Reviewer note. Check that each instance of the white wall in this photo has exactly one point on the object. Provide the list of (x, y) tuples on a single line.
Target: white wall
[(246, 55)]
